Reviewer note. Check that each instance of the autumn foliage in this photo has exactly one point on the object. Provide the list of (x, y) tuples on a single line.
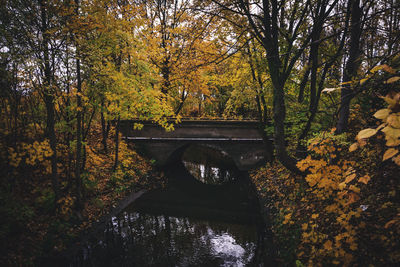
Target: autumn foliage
[(345, 209), (71, 71)]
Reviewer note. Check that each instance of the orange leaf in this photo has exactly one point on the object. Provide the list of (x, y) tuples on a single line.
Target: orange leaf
[(328, 245), (397, 160), (390, 223), (352, 198), (353, 147), (390, 153), (393, 79), (364, 179), (350, 178)]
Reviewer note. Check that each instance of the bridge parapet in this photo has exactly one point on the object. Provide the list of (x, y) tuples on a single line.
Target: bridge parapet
[(195, 128)]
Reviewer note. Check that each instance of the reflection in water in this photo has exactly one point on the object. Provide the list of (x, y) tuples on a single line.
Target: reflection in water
[(188, 223), (208, 174), (136, 239), (209, 165)]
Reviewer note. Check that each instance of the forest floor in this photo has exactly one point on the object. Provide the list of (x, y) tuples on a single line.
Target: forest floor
[(36, 228), (354, 222)]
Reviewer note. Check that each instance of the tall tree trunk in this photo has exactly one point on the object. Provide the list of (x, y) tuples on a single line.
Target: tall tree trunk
[(279, 129), (200, 101), (78, 159), (183, 98), (49, 100), (116, 144), (260, 117), (265, 109), (105, 127), (278, 83), (257, 78), (68, 119), (78, 135), (165, 71), (351, 67)]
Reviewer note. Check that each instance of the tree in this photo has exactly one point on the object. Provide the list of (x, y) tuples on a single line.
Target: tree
[(182, 47), (32, 37), (116, 66), (284, 31), (373, 39), (352, 65)]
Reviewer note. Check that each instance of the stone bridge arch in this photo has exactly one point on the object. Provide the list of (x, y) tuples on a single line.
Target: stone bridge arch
[(242, 141)]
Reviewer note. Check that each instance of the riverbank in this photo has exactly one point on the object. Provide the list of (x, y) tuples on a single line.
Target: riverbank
[(64, 257), (343, 213), (37, 230)]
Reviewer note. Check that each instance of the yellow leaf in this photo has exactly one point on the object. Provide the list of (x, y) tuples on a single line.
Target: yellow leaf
[(392, 132), (382, 113), (390, 141), (349, 82), (382, 67), (314, 216), (364, 179), (366, 133), (342, 185), (376, 68), (392, 102), (354, 188), (350, 178), (394, 120), (397, 160), (381, 126), (363, 80), (391, 152), (328, 245), (393, 79), (353, 147), (304, 226)]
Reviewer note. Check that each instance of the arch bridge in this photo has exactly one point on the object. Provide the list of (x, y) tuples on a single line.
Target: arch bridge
[(242, 140)]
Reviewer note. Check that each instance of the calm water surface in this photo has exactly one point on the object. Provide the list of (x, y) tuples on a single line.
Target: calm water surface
[(206, 216)]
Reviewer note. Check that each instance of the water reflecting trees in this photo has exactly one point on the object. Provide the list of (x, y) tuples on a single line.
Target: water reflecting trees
[(140, 239)]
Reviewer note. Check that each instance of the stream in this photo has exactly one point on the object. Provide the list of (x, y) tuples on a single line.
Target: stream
[(207, 215)]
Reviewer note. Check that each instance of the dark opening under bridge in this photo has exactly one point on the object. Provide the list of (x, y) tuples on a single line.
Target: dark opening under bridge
[(241, 140)]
